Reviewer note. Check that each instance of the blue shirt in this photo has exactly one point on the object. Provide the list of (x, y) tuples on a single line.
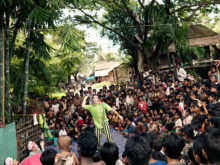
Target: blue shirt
[(130, 129), (158, 163)]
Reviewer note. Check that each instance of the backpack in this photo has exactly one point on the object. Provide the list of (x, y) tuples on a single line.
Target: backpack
[(67, 160)]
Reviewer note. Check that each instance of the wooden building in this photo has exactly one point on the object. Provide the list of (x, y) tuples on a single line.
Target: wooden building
[(198, 35), (114, 72)]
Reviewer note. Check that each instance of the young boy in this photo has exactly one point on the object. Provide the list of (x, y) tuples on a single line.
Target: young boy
[(129, 131), (66, 157)]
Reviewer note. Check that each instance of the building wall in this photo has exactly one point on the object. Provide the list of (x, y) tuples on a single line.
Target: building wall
[(122, 74)]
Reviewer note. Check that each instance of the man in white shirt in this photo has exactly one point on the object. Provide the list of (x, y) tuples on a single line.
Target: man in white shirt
[(55, 106), (178, 122), (181, 73), (129, 99)]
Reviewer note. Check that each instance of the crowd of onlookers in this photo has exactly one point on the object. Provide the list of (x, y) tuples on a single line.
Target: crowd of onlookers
[(167, 120)]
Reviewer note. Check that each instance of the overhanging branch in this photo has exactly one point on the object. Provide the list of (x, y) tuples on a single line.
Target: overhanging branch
[(193, 14), (194, 5), (133, 17), (108, 28)]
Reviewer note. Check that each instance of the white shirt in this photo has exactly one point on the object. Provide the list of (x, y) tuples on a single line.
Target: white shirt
[(55, 108), (130, 100), (146, 74), (62, 132), (168, 90), (72, 108), (178, 123), (187, 120), (117, 102), (181, 74), (181, 104)]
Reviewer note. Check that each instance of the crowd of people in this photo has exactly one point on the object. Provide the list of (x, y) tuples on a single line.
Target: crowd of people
[(166, 120)]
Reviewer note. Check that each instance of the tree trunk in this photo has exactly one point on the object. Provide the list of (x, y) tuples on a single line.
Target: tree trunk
[(2, 72), (168, 59), (16, 27), (69, 79), (7, 68), (75, 77), (174, 67), (140, 61), (26, 68)]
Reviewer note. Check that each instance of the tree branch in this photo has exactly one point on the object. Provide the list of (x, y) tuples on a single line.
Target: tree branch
[(193, 14), (150, 22), (199, 4), (141, 4), (133, 17), (152, 2), (110, 29)]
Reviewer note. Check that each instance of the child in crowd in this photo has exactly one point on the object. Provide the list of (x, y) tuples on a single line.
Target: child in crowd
[(65, 157), (34, 148)]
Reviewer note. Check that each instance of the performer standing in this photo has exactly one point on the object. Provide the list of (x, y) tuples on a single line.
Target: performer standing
[(98, 112)]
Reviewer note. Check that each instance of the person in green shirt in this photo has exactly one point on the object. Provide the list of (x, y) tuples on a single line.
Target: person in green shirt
[(98, 111)]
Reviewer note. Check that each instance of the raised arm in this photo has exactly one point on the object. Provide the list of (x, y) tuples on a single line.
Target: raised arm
[(115, 112), (84, 101)]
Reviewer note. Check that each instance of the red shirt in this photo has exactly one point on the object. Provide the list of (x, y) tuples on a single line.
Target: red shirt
[(32, 160), (142, 106)]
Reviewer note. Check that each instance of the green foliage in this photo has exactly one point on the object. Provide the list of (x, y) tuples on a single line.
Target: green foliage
[(69, 37)]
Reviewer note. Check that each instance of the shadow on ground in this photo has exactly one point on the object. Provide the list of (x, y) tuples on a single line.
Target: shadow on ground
[(117, 138)]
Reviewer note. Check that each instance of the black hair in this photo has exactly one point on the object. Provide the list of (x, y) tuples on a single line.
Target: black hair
[(196, 85), (87, 142), (191, 156), (130, 118), (169, 126), (109, 153), (138, 150), (157, 146), (185, 158), (188, 130), (173, 145), (48, 156), (212, 94), (198, 121), (212, 146), (215, 120), (198, 146)]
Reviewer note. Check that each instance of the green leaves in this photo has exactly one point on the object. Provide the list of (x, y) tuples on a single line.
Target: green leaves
[(39, 14), (69, 37)]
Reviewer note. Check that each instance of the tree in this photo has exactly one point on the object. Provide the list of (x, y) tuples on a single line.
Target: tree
[(2, 86), (31, 20), (129, 22)]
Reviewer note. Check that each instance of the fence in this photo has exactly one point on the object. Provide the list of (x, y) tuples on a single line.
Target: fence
[(25, 132), (8, 144)]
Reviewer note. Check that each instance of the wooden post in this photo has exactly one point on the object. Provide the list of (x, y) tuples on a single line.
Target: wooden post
[(174, 67)]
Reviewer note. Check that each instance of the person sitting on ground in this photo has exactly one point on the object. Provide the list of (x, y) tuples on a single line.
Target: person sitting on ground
[(129, 131), (87, 146), (62, 131), (172, 147), (66, 157), (110, 154)]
